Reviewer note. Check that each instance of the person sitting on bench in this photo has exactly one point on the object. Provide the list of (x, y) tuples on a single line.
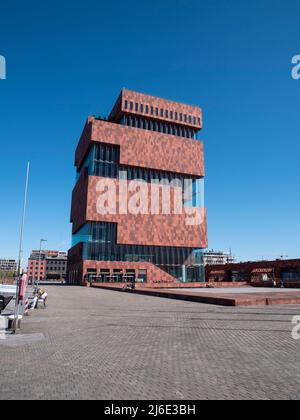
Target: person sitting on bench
[(42, 296)]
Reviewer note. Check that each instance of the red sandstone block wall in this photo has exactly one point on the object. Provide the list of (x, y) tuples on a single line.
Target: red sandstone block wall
[(84, 142), (154, 274), (79, 201), (151, 229), (145, 149), (155, 102), (141, 229)]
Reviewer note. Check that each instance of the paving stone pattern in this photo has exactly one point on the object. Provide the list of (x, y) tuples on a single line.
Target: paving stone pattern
[(101, 344)]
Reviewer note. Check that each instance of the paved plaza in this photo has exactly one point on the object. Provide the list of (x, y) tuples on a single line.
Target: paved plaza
[(102, 344)]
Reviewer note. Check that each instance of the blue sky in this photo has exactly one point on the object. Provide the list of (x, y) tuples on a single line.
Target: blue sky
[(68, 59)]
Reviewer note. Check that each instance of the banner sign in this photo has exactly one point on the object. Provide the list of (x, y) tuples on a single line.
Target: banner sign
[(23, 287)]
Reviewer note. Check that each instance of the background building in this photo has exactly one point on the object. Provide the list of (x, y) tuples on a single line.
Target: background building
[(8, 265), (47, 265), (148, 138), (218, 258), (258, 273)]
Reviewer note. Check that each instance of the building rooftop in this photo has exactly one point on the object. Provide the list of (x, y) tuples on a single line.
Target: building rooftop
[(151, 107), (48, 254)]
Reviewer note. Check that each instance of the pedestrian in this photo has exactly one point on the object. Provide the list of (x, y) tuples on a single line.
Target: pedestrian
[(43, 295)]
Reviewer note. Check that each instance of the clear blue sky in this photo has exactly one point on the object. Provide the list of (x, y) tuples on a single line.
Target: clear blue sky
[(68, 59)]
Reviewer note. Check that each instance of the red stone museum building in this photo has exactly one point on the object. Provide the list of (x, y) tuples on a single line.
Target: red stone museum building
[(137, 206)]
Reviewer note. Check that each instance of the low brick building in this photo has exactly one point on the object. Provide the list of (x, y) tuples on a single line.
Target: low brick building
[(258, 273), (47, 265), (8, 265)]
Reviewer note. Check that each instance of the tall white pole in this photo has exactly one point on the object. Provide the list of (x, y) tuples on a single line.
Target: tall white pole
[(21, 249), (23, 219)]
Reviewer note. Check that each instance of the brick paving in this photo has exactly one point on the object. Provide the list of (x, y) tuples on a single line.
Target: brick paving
[(101, 344)]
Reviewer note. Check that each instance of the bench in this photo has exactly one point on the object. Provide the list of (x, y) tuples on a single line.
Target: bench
[(36, 302), (42, 301)]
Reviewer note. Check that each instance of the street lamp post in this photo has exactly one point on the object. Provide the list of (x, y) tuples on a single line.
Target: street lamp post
[(40, 259), (18, 279)]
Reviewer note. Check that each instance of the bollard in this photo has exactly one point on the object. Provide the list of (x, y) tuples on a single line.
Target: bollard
[(3, 326), (14, 323), (26, 307)]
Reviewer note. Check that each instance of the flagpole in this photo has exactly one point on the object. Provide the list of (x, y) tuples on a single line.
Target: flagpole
[(21, 250)]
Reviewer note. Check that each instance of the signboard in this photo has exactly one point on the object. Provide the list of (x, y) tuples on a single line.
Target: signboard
[(22, 288)]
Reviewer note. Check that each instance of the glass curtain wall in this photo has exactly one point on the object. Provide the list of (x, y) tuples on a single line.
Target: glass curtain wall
[(160, 127), (103, 160), (99, 244)]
